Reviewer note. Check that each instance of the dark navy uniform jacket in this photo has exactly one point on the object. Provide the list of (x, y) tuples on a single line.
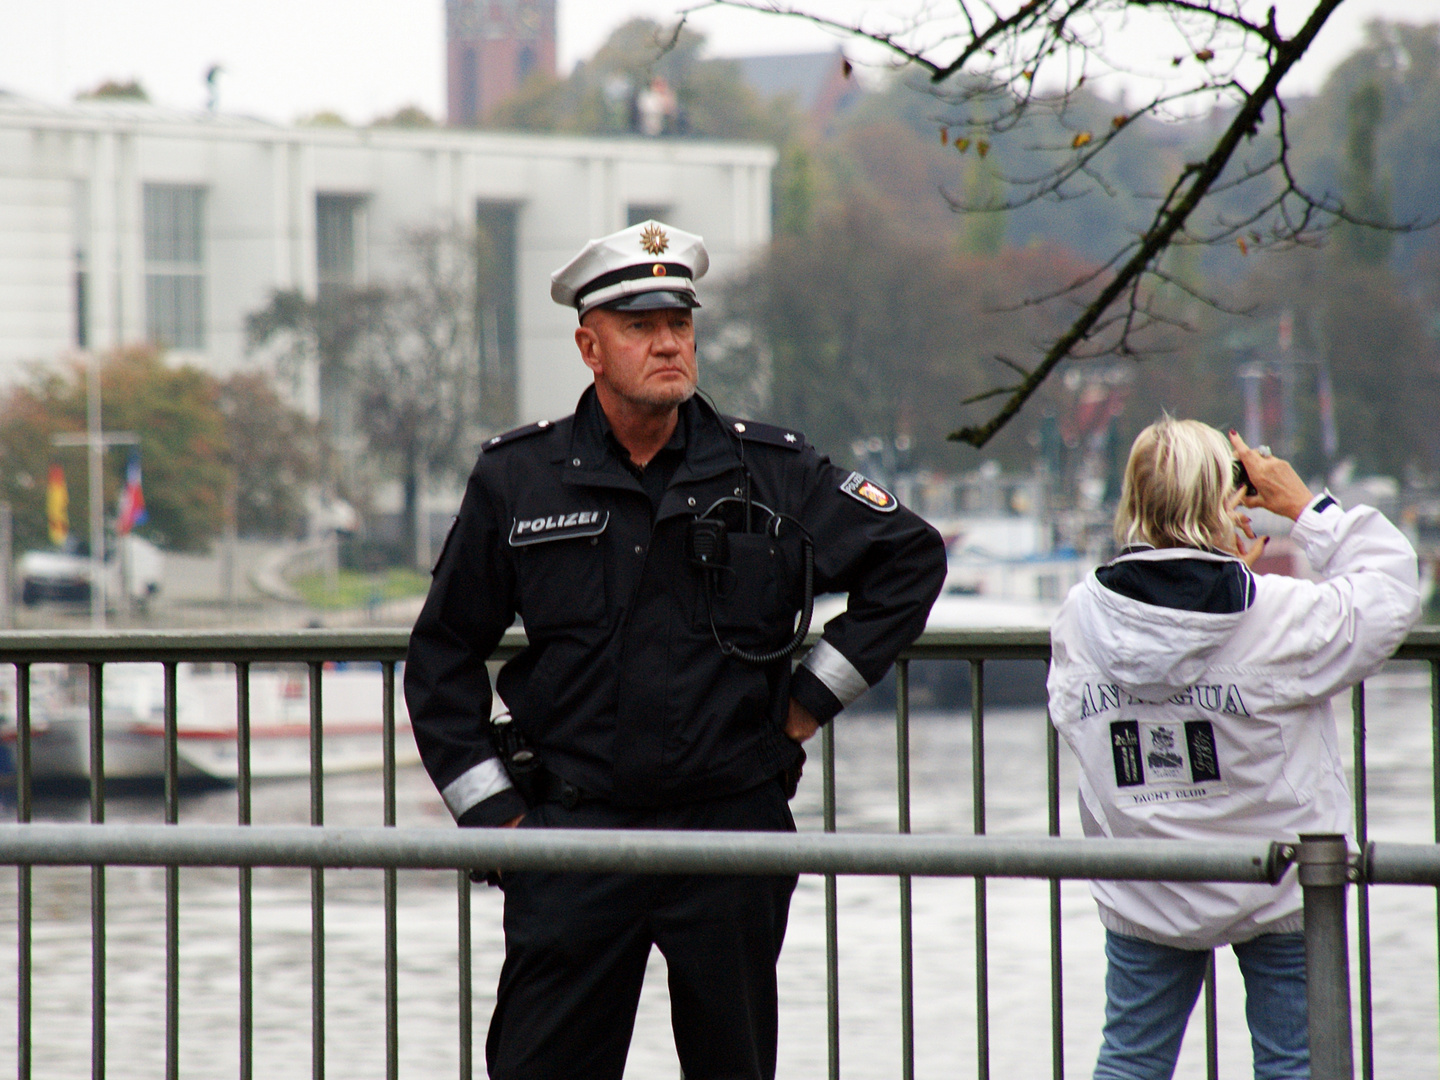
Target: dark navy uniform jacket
[(623, 689)]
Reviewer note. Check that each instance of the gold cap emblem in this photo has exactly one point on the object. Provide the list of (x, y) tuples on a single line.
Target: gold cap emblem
[(654, 240)]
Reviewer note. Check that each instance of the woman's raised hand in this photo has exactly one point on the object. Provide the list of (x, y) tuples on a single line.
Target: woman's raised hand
[(1278, 487)]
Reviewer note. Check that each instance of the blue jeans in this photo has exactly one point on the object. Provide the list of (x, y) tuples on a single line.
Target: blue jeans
[(1151, 989)]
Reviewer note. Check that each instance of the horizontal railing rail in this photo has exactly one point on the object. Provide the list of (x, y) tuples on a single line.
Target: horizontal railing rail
[(380, 644), (1398, 864), (639, 852)]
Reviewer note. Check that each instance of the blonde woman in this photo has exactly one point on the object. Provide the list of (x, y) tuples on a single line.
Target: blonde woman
[(1196, 695)]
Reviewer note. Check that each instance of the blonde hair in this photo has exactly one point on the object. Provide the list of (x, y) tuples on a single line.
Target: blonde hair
[(1176, 483)]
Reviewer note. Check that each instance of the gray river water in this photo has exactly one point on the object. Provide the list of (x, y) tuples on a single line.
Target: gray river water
[(1405, 980)]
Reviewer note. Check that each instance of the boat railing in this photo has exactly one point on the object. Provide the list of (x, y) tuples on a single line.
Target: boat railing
[(1326, 869)]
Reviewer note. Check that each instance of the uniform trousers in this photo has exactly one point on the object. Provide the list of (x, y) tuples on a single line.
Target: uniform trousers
[(576, 947)]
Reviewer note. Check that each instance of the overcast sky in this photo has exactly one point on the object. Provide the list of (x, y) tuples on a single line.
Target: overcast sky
[(363, 58)]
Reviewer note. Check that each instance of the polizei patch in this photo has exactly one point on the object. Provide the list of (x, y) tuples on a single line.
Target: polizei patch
[(869, 493), (538, 530)]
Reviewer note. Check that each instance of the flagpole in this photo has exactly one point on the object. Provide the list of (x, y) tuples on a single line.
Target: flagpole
[(95, 441), (96, 447)]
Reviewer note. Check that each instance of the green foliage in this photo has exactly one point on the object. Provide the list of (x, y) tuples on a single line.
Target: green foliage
[(115, 90), (403, 352), (407, 116), (327, 329), (325, 118), (353, 589), (866, 329), (181, 435), (1366, 196), (275, 453), (796, 193), (185, 447), (1402, 63)]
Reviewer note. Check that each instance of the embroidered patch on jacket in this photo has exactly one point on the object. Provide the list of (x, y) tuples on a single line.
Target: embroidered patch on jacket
[(869, 493), (1165, 761), (526, 531)]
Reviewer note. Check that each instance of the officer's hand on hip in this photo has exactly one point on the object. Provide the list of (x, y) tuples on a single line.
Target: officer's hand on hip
[(799, 724), (492, 877)]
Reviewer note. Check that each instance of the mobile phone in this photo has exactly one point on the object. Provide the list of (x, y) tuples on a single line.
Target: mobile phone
[(1242, 478)]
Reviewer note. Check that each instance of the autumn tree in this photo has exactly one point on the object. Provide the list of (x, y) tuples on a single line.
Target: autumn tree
[(1001, 75), (417, 366), (276, 454), (400, 356), (187, 436), (860, 327)]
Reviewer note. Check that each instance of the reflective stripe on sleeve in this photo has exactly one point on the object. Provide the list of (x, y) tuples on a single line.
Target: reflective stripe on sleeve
[(475, 785), (828, 664)]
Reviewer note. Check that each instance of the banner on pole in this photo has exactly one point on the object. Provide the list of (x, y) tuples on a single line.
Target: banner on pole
[(57, 506), (132, 498)]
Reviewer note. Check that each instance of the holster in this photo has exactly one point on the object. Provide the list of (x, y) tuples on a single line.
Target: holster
[(527, 772)]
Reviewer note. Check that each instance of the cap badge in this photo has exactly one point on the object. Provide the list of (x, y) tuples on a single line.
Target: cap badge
[(870, 493), (658, 270), (654, 240)]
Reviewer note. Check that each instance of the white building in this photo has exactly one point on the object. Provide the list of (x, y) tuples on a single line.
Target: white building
[(123, 222)]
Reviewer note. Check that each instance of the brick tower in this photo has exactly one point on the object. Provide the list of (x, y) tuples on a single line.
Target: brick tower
[(492, 46)]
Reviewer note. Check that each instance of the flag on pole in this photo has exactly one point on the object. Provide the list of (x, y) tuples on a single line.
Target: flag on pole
[(132, 498), (1329, 437), (57, 506)]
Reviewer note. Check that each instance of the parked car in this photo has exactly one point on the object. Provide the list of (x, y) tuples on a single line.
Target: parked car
[(64, 576), (56, 576)]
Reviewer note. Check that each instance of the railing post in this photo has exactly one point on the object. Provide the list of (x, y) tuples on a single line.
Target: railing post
[(1324, 873)]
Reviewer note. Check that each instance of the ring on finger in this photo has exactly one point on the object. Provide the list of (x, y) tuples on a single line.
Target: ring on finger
[(1263, 450)]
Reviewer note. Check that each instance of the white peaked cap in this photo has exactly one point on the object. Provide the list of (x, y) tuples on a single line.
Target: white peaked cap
[(651, 257)]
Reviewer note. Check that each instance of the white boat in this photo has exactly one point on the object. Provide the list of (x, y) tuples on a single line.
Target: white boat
[(206, 747)]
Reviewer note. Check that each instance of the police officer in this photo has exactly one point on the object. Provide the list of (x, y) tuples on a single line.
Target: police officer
[(658, 554)]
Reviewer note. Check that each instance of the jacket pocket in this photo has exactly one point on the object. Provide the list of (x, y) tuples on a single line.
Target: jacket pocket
[(561, 582), (747, 595)]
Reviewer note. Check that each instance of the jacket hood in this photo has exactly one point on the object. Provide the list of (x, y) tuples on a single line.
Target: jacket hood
[(1153, 619)]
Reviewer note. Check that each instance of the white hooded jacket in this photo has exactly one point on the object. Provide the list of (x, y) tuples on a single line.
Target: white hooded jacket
[(1197, 698)]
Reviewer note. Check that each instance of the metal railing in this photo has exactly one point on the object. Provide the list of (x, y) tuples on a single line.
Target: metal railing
[(246, 846)]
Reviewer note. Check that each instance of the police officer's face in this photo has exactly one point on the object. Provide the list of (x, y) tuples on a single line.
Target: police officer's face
[(644, 358)]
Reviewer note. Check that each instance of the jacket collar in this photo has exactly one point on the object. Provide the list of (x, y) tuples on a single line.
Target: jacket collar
[(587, 459)]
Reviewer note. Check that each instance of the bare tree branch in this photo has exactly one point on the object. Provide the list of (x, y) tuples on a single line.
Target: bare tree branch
[(1168, 221)]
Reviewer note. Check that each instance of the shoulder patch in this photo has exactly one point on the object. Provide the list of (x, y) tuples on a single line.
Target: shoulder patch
[(870, 493), (497, 441), (769, 434)]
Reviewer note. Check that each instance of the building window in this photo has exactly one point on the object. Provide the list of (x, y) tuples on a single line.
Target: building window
[(635, 213), (80, 233), (339, 243), (175, 265), (82, 300), (469, 85), (496, 229), (524, 63)]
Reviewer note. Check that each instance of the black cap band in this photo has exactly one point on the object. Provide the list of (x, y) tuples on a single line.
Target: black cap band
[(659, 271)]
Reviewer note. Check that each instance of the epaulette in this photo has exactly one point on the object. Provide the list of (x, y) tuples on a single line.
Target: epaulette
[(497, 441), (769, 434)]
